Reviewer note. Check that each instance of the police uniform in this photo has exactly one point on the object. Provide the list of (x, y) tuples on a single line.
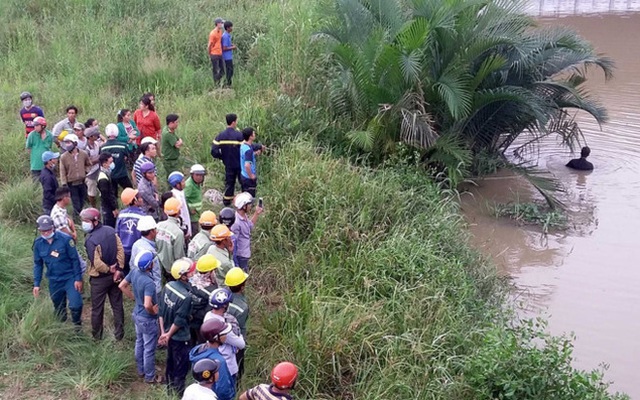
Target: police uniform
[(226, 147), (63, 270)]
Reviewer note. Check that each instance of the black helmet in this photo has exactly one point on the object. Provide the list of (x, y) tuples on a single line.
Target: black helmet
[(227, 216), (25, 95), (213, 328), (204, 369)]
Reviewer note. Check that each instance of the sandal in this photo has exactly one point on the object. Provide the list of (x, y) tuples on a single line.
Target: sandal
[(156, 379)]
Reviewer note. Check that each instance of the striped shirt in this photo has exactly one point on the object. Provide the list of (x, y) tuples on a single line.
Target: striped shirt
[(265, 392), (136, 166)]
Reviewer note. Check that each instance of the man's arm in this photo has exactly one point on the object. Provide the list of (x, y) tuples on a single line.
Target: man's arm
[(151, 308), (38, 266), (247, 169), (63, 171), (178, 247), (125, 288), (120, 255)]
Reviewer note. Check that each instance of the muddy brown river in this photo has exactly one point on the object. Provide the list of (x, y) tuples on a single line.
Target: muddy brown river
[(585, 280)]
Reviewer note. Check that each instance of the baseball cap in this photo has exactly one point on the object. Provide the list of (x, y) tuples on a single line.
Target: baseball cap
[(39, 121), (78, 126), (219, 20), (93, 131), (148, 139), (49, 155), (44, 223)]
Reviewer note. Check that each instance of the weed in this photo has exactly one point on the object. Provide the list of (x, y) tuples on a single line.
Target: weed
[(533, 213)]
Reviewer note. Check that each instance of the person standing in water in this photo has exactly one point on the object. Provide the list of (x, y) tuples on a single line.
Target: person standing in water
[(581, 163)]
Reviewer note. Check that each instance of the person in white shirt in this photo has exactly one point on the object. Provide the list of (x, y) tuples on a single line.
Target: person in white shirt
[(176, 181), (205, 372)]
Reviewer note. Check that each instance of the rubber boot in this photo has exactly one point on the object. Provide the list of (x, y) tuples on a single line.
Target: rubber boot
[(76, 316)]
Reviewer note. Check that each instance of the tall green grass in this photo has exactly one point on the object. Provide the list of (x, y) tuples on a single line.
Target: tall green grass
[(361, 277)]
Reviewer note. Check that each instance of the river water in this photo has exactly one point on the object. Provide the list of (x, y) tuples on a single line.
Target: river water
[(585, 280)]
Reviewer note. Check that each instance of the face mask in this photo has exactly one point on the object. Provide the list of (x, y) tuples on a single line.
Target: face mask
[(49, 236), (69, 146), (87, 226), (112, 166), (27, 103)]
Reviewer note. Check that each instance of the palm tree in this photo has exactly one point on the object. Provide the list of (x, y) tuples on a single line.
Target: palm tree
[(480, 71)]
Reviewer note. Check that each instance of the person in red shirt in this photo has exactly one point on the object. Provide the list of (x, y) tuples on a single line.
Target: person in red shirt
[(147, 120), (215, 51), (29, 112)]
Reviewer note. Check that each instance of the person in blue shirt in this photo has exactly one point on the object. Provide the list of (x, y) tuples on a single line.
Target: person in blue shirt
[(227, 51), (145, 314), (248, 153), (58, 252), (215, 332), (127, 223)]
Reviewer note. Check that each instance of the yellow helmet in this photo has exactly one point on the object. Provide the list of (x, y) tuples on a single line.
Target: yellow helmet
[(220, 232), (62, 135), (172, 206), (181, 267), (235, 277), (207, 262), (208, 219)]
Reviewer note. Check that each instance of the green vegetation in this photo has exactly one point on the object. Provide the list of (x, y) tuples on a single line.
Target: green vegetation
[(532, 213), (362, 276)]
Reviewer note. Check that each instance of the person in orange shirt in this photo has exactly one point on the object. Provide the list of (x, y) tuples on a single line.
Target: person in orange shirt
[(215, 51)]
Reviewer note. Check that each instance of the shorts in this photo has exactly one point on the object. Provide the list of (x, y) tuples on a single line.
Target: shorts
[(92, 187)]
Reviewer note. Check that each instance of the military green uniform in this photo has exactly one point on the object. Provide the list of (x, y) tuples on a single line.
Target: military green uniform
[(226, 262), (199, 245), (193, 194), (169, 243)]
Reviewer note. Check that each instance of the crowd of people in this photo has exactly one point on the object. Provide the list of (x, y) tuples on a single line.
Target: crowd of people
[(185, 268)]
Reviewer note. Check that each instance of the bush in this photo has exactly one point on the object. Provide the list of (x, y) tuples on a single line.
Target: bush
[(21, 202)]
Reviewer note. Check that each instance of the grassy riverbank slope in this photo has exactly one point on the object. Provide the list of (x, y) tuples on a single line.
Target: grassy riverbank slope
[(362, 277)]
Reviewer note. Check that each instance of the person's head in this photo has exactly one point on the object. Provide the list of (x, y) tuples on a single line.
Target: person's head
[(151, 97), (172, 207), (197, 172), (124, 115), (232, 120), (584, 153), (172, 122), (45, 226), (207, 220), (146, 104), (243, 202), (215, 331), (205, 371), (92, 133), (220, 299), (70, 142), (148, 170), (63, 196), (50, 159), (219, 23), (105, 160), (144, 260), (91, 122), (207, 265), (147, 227), (149, 149), (90, 219), (39, 124), (78, 129), (111, 130), (131, 197), (72, 113), (176, 180), (236, 279), (221, 236), (249, 134), (182, 269), (227, 216), (228, 26), (284, 376), (27, 99)]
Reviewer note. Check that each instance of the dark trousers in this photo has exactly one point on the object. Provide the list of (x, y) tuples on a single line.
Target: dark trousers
[(101, 287), (78, 197), (228, 69), (249, 185), (231, 175), (123, 181), (217, 65), (108, 218), (240, 361), (178, 366), (126, 268), (62, 292)]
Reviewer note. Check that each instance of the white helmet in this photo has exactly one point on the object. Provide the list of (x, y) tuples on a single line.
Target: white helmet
[(242, 200), (72, 137), (111, 130), (197, 169), (148, 139), (146, 223)]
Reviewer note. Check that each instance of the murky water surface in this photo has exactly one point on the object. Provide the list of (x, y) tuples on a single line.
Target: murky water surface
[(585, 280)]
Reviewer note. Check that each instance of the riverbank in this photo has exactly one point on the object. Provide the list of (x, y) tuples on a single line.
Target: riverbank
[(363, 277)]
